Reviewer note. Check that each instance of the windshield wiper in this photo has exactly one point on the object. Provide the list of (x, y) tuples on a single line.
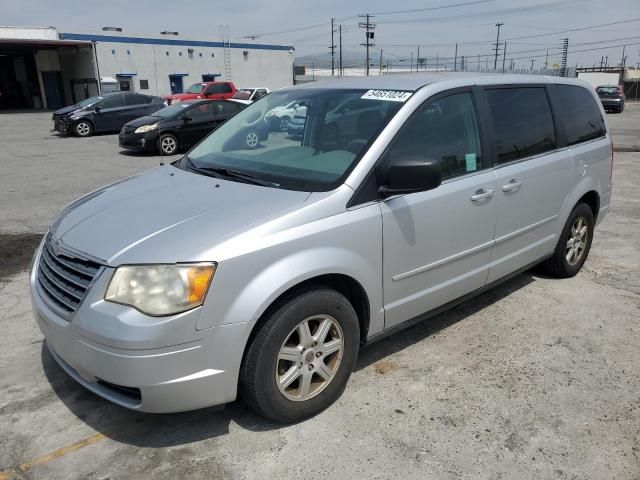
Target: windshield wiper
[(225, 172)]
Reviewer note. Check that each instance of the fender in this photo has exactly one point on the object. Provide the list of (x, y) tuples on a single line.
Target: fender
[(287, 272), (584, 186)]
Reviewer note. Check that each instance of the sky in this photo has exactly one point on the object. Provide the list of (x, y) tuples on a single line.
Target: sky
[(401, 26)]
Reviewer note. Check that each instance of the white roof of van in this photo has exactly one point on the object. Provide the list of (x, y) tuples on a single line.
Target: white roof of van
[(414, 81)]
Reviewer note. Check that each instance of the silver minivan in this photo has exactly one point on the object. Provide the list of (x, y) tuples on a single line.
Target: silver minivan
[(261, 271)]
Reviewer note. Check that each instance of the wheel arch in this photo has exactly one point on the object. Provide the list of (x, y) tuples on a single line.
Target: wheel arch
[(591, 198), (348, 286)]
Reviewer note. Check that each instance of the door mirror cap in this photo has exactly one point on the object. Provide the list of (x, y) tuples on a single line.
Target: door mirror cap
[(186, 119), (410, 174), (97, 109)]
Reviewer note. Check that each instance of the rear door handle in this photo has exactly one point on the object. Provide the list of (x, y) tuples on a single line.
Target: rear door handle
[(481, 194), (513, 186)]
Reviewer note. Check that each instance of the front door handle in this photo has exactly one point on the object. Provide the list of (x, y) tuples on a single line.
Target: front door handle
[(481, 194), (513, 186)]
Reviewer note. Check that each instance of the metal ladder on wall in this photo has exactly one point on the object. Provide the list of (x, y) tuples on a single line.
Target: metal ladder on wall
[(226, 45)]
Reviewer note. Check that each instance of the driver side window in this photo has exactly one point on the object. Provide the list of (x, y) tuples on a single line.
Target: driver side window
[(445, 130)]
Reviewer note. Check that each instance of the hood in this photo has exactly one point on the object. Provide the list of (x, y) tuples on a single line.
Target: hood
[(65, 110), (147, 120), (167, 215)]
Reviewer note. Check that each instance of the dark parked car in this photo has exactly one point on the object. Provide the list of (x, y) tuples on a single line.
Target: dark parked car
[(611, 97), (177, 126), (104, 113)]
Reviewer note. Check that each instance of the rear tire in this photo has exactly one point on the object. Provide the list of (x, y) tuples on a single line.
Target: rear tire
[(574, 243), (83, 128), (291, 372)]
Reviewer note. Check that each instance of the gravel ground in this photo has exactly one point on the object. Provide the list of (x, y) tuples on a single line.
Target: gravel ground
[(538, 378)]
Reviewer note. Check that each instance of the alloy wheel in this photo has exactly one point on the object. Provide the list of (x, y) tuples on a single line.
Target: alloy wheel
[(577, 243), (168, 145), (309, 358), (252, 139), (83, 129)]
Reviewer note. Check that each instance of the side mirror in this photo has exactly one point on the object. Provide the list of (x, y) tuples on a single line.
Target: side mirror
[(97, 109), (186, 119), (410, 174)]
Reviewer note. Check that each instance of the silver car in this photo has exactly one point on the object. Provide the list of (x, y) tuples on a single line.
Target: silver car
[(262, 271)]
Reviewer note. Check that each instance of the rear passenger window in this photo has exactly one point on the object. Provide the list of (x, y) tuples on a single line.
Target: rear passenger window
[(578, 112), (522, 122), (136, 99), (445, 130), (112, 101)]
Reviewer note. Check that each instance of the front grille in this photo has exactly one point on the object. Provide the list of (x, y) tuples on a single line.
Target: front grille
[(64, 278)]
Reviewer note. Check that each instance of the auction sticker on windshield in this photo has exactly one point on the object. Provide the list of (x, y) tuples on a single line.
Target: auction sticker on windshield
[(387, 95)]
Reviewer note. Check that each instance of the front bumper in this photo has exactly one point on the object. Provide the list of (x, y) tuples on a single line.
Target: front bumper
[(61, 125), (138, 141), (119, 354)]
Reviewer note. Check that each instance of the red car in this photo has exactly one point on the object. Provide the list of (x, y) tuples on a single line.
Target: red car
[(210, 90)]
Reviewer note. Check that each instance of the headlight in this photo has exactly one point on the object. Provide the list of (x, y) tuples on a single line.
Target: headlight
[(146, 128), (159, 290), (175, 100)]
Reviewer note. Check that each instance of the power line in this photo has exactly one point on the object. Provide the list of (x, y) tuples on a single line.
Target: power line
[(413, 10)]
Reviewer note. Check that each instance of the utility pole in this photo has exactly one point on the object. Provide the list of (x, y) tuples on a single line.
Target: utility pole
[(478, 62), (546, 60), (504, 55), (368, 26), (455, 60), (380, 66), (340, 37), (624, 59), (532, 60), (437, 62), (418, 59), (332, 48), (495, 61), (411, 64), (563, 64)]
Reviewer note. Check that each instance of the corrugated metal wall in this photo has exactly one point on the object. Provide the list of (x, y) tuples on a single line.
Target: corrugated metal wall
[(28, 33)]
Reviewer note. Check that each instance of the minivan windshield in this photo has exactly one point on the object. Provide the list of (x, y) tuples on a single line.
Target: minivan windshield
[(313, 153), (195, 88)]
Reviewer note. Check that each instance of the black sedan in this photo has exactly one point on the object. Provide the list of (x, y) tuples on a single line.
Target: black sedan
[(178, 126), (104, 113), (612, 98)]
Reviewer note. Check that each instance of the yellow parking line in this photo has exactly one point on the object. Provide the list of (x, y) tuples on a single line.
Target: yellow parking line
[(60, 452)]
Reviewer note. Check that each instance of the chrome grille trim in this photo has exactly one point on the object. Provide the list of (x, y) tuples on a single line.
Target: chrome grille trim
[(65, 278)]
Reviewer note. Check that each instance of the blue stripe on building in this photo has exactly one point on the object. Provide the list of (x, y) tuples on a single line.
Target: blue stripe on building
[(167, 41)]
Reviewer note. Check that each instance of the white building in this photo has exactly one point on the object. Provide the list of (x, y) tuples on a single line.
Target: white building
[(42, 68)]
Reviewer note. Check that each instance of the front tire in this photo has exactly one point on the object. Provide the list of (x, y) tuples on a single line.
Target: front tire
[(574, 243), (300, 360), (283, 124), (167, 144), (83, 128)]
